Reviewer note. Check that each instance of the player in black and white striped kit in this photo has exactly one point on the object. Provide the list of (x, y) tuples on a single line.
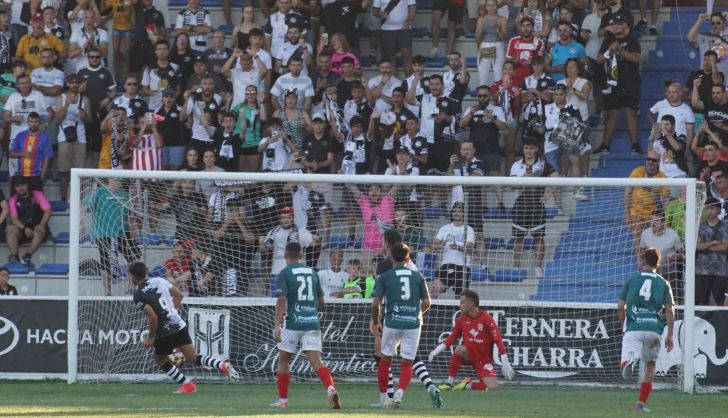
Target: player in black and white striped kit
[(159, 301)]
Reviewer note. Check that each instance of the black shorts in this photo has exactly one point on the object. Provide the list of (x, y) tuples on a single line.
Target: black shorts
[(529, 216), (455, 12), (455, 276), (622, 98), (439, 157), (110, 248), (249, 151), (164, 345), (395, 40)]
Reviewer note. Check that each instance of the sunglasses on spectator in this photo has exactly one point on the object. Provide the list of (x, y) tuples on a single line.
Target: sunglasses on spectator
[(652, 160), (94, 57)]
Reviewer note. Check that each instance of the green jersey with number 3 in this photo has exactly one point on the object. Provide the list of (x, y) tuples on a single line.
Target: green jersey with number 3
[(646, 293), (300, 285), (402, 289)]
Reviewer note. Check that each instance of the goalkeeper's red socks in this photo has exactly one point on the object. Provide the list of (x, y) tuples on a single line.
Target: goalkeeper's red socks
[(478, 385), (283, 380), (325, 377), (405, 375), (383, 374), (645, 389), (452, 371)]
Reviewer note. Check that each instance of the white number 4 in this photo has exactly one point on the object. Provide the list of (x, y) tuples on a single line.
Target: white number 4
[(305, 288), (646, 289)]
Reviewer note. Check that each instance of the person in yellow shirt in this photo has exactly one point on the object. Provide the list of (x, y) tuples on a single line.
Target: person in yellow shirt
[(640, 202), (116, 157), (122, 13), (31, 45)]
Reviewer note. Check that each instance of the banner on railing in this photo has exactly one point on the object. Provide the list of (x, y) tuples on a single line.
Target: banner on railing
[(543, 343)]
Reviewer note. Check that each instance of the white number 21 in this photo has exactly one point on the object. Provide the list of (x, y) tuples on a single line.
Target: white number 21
[(305, 288)]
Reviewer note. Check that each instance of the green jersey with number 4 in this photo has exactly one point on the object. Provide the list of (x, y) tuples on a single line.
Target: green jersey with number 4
[(402, 289), (646, 293), (300, 285)]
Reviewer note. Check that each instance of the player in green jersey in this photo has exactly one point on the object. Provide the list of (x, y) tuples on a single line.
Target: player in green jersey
[(644, 296), (407, 298), (300, 298)]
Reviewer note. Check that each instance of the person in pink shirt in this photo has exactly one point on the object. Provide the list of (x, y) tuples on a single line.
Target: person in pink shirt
[(340, 50), (30, 213), (377, 212)]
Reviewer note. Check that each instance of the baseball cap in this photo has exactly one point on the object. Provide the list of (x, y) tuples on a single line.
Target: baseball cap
[(169, 91), (286, 211), (37, 16), (318, 116), (620, 18), (402, 148), (198, 58)]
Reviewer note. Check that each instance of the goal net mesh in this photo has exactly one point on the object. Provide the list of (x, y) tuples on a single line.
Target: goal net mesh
[(547, 261)]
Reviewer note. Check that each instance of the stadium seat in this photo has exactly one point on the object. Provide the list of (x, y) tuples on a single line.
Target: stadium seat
[(422, 242), (434, 213), (148, 238), (493, 243), (17, 268), (338, 241), (62, 238), (429, 261), (558, 293), (480, 275), (52, 269), (527, 244), (496, 214), (508, 276), (429, 273), (59, 206)]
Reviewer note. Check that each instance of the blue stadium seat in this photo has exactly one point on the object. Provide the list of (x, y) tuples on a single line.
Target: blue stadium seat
[(59, 206), (508, 276), (480, 274), (496, 214), (429, 261), (432, 212), (493, 243), (338, 241), (62, 238), (51, 269), (150, 238), (429, 273), (17, 268), (558, 293), (357, 244), (566, 272), (422, 242)]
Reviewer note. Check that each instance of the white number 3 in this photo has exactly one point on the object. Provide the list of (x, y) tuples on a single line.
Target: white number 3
[(646, 289), (405, 288)]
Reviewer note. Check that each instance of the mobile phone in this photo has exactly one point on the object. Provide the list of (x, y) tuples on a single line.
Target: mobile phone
[(325, 38)]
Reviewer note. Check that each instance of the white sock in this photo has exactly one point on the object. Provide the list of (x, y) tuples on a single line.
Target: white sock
[(330, 390), (450, 380)]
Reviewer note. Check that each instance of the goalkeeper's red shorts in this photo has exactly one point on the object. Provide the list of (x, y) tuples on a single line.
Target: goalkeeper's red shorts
[(483, 366)]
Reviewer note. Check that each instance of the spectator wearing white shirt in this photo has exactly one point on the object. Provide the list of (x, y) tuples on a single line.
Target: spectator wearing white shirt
[(294, 46), (23, 102), (48, 79), (673, 105), (332, 279), (87, 37), (402, 167), (380, 87), (244, 70), (295, 82), (277, 147), (196, 22), (671, 147), (278, 23), (457, 242), (397, 17), (204, 106), (160, 75), (668, 242)]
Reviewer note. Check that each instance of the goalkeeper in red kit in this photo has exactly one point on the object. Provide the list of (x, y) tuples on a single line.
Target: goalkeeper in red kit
[(479, 332)]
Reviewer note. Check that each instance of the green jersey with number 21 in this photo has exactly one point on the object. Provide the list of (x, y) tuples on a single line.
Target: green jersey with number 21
[(646, 293), (302, 289), (402, 289)]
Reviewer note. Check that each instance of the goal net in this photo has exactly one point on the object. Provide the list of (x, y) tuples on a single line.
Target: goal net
[(548, 257)]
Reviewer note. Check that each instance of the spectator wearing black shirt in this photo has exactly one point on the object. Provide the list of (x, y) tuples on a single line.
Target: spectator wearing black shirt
[(340, 16), (485, 122), (709, 76), (183, 56), (322, 77), (715, 110), (98, 84), (227, 143), (621, 51), (614, 8), (416, 143), (30, 213), (190, 211), (710, 167), (149, 27), (6, 289), (173, 130), (345, 83), (385, 128), (317, 154), (457, 78), (218, 53)]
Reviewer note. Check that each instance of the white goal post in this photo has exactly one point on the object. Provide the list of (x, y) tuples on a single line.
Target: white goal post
[(559, 324)]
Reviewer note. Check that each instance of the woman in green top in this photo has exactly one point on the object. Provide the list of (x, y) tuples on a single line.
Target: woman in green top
[(7, 81), (405, 223), (250, 116)]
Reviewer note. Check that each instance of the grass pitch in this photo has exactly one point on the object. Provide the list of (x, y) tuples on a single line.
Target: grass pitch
[(308, 400)]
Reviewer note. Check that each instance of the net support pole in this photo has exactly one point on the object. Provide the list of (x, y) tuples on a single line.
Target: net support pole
[(691, 228), (73, 262)]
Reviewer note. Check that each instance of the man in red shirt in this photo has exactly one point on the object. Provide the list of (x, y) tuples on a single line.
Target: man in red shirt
[(479, 332), (521, 49)]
